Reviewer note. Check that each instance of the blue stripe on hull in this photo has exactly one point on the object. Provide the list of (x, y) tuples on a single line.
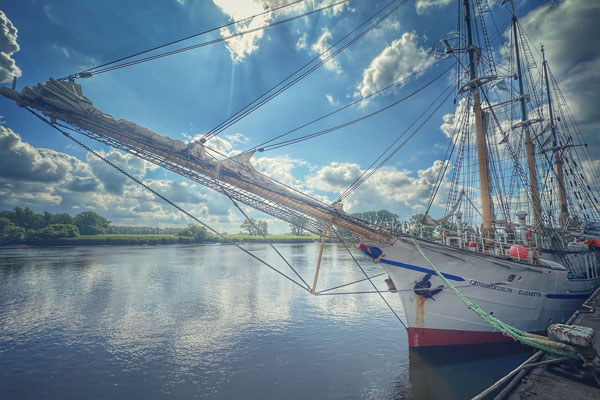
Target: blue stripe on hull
[(567, 296), (420, 269), (460, 279)]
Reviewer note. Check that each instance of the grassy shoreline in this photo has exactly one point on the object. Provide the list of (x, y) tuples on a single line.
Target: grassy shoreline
[(128, 239)]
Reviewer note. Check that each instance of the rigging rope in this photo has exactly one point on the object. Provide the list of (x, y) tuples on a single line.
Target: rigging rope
[(352, 122), (259, 146), (369, 172), (257, 103), (251, 221), (367, 277), (225, 38), (163, 198), (77, 75)]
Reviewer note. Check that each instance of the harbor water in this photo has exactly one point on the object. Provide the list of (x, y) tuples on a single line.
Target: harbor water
[(210, 322)]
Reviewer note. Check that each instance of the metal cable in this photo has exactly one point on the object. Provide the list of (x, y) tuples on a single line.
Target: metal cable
[(259, 146), (367, 276), (76, 75), (225, 38), (255, 104), (160, 196)]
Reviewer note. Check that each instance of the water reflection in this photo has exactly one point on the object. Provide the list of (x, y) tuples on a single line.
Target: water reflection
[(461, 372), (205, 321)]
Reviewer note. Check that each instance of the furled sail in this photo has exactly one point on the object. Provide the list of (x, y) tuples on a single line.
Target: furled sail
[(234, 176), (427, 220)]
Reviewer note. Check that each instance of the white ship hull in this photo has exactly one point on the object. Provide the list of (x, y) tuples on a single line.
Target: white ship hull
[(525, 296)]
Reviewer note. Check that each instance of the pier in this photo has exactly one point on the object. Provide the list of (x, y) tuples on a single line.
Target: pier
[(543, 376)]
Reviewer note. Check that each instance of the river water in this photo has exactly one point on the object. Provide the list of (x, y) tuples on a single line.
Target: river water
[(210, 322)]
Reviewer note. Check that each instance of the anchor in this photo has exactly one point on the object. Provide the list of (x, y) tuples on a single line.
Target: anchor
[(423, 288)]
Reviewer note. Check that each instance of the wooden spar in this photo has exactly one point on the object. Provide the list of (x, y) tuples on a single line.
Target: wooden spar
[(314, 286), (482, 163), (330, 217), (562, 195), (535, 194), (533, 182), (482, 157)]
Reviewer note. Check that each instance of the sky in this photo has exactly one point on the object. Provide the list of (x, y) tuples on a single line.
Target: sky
[(186, 95)]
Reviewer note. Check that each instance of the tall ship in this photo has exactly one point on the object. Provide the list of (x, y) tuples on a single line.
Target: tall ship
[(520, 236)]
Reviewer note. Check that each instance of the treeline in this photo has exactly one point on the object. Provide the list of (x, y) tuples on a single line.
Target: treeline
[(141, 230), (24, 226)]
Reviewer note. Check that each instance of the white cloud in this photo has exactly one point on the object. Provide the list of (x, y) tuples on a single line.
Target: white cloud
[(320, 46), (238, 138), (331, 100), (397, 61), (424, 6), (8, 46), (62, 50), (389, 188), (50, 14), (568, 30), (280, 168), (242, 46), (301, 43), (50, 180)]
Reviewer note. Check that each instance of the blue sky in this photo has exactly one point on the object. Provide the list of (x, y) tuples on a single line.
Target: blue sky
[(190, 93)]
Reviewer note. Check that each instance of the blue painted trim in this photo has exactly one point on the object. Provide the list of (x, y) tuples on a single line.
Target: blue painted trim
[(567, 296), (420, 269)]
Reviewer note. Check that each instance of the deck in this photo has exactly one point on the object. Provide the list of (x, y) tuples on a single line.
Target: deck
[(566, 380)]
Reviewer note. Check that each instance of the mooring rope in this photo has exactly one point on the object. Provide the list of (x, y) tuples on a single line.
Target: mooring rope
[(539, 342)]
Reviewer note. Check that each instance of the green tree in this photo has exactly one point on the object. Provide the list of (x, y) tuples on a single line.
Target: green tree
[(25, 218), (298, 226), (62, 218), (9, 232), (263, 228), (90, 223), (378, 217), (52, 231), (416, 227), (249, 226), (197, 232), (254, 227)]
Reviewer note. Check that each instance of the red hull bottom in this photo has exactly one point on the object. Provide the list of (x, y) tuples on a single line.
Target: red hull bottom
[(422, 337)]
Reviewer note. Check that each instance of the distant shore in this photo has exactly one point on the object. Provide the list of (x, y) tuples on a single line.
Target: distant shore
[(152, 240)]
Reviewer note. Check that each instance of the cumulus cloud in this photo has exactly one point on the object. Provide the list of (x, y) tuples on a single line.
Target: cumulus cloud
[(573, 54), (424, 6), (280, 168), (331, 100), (301, 43), (242, 46), (8, 46), (112, 180), (35, 175), (23, 162), (397, 61), (390, 188), (50, 180), (321, 46)]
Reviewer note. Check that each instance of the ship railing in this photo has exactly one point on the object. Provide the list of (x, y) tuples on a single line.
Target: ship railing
[(498, 246)]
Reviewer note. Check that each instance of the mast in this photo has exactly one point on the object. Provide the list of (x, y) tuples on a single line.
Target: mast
[(480, 139), (535, 194), (562, 196)]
